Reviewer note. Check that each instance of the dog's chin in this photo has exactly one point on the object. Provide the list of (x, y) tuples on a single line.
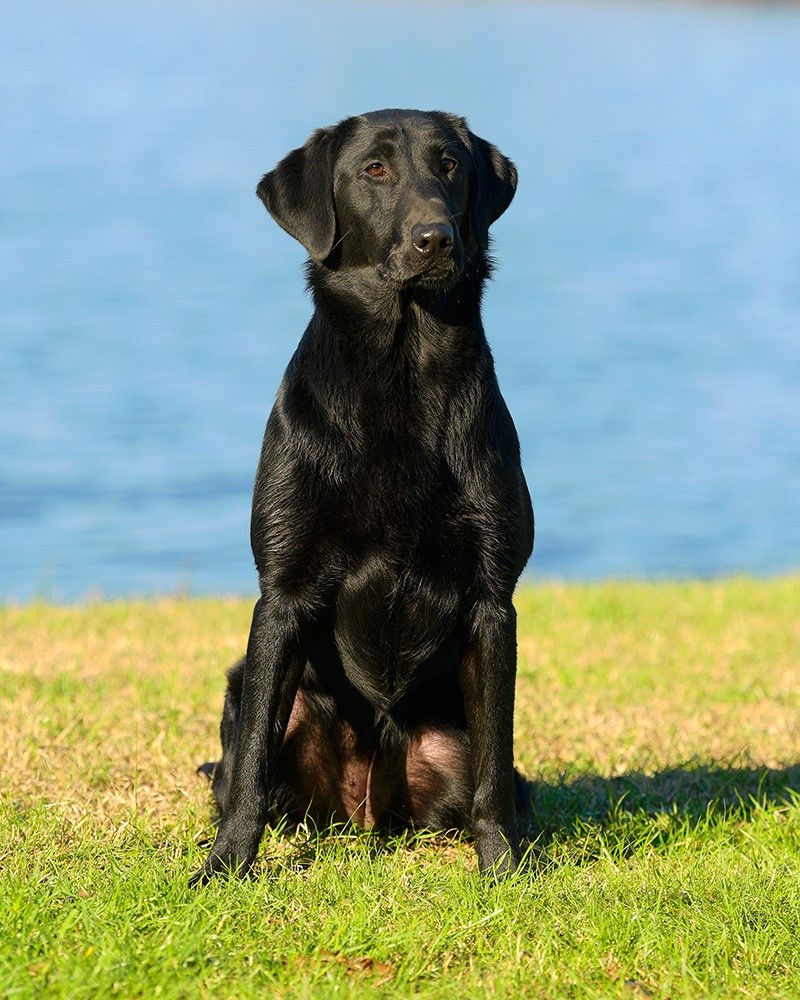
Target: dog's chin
[(438, 281), (438, 276)]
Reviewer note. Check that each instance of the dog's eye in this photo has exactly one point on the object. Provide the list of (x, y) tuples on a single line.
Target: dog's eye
[(376, 170), (448, 164)]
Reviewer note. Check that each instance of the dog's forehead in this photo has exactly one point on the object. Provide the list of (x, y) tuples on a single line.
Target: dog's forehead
[(411, 131)]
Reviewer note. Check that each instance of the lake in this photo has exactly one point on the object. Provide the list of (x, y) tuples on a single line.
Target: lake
[(645, 315)]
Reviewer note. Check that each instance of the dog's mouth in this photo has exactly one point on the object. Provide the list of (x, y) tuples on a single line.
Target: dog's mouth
[(437, 276), (441, 274)]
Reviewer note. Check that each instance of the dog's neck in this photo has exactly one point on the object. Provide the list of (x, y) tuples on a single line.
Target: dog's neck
[(411, 351), (381, 312)]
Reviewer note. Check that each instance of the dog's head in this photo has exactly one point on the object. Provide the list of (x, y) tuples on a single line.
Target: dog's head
[(409, 194)]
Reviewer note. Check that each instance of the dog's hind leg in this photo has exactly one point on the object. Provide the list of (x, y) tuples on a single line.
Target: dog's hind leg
[(219, 772), (439, 786)]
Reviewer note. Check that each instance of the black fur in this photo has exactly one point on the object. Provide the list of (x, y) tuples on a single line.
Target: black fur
[(391, 518)]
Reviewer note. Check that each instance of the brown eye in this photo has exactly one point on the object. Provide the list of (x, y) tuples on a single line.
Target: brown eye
[(448, 164), (376, 170)]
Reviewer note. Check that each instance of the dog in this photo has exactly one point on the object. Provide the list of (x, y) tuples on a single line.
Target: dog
[(391, 518)]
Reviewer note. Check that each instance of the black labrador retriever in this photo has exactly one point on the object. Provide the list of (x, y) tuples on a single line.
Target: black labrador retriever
[(390, 518)]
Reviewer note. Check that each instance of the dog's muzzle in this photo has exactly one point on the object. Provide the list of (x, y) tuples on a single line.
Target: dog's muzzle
[(430, 256)]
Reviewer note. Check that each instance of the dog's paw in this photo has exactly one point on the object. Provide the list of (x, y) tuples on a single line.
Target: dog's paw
[(220, 862), (497, 857), (208, 769)]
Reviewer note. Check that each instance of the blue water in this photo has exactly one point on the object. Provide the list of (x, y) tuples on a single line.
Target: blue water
[(645, 317)]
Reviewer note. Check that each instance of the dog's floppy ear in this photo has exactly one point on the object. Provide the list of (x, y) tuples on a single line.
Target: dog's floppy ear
[(298, 194), (496, 184)]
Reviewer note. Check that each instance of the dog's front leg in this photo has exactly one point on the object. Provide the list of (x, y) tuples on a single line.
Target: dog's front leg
[(275, 660), (488, 671)]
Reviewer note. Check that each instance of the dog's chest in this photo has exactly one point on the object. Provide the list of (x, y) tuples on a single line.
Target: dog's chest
[(395, 625)]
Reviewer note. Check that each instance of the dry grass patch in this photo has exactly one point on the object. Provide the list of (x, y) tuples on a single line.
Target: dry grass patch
[(106, 708)]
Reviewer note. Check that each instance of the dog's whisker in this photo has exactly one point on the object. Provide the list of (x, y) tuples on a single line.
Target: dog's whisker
[(340, 240)]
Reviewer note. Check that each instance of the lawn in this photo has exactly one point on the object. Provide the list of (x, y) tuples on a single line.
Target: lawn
[(658, 726)]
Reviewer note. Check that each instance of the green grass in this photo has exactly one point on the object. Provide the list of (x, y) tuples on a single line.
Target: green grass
[(658, 726)]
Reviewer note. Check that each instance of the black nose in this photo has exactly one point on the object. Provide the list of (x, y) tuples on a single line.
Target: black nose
[(432, 238)]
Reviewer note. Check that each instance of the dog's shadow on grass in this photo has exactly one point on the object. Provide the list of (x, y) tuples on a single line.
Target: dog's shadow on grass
[(642, 808)]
